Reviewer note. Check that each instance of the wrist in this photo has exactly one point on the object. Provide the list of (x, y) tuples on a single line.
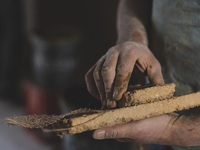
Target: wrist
[(137, 36), (134, 31)]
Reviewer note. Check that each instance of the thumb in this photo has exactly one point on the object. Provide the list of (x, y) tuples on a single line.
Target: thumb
[(114, 132), (155, 74)]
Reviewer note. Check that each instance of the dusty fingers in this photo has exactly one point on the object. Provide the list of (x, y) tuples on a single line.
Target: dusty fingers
[(154, 72), (108, 73), (100, 78), (124, 70)]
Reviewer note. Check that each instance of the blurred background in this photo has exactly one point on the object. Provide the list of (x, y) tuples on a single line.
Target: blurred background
[(46, 47), (52, 43)]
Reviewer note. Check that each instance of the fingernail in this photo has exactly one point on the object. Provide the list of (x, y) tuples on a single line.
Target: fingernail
[(99, 134), (111, 104), (115, 94)]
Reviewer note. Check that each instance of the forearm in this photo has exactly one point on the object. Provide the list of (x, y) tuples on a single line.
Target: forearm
[(133, 19)]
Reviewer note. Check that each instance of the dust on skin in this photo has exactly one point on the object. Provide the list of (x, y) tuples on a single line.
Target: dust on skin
[(122, 84), (190, 128)]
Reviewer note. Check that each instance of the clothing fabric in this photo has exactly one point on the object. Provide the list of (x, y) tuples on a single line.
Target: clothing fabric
[(175, 40)]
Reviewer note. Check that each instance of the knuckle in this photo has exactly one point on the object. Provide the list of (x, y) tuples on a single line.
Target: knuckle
[(113, 134), (120, 67), (112, 51), (132, 52), (106, 69)]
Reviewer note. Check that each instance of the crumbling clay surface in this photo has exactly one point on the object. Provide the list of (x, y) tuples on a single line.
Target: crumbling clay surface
[(82, 120)]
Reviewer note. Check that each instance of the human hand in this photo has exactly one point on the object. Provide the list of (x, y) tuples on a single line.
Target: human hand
[(165, 129), (108, 79)]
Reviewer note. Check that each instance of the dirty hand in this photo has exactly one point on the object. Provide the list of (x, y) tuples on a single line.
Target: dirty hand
[(108, 79), (164, 129)]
